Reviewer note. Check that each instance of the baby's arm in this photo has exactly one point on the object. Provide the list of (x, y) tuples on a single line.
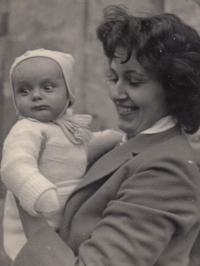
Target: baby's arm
[(102, 142), (19, 169)]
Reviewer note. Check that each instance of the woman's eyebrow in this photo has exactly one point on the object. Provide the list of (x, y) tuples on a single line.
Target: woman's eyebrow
[(133, 72)]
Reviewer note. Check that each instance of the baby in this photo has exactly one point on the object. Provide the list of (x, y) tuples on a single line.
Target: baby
[(46, 152)]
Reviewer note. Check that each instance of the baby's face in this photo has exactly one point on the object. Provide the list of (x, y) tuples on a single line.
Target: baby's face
[(39, 89)]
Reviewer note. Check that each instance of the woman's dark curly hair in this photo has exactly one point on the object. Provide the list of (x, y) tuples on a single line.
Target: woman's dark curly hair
[(167, 48)]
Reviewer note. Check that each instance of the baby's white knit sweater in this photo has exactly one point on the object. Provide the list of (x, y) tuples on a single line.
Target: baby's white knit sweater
[(38, 157)]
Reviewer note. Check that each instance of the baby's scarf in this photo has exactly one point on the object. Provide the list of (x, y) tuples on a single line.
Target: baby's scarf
[(75, 127)]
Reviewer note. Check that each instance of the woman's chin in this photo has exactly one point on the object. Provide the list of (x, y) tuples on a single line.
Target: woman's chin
[(126, 128)]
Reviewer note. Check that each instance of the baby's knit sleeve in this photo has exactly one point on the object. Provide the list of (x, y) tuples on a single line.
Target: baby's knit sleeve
[(102, 142), (19, 167)]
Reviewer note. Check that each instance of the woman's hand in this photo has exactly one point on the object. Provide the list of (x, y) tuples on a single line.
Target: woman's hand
[(30, 224)]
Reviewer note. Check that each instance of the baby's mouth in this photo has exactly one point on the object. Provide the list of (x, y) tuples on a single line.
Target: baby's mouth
[(40, 107)]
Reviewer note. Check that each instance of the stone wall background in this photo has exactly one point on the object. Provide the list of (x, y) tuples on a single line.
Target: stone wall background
[(68, 26)]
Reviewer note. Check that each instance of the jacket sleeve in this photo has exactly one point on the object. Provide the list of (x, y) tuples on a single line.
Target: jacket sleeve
[(156, 202), (102, 142), (194, 258), (19, 167)]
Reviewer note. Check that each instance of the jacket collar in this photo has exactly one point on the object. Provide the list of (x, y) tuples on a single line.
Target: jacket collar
[(119, 155)]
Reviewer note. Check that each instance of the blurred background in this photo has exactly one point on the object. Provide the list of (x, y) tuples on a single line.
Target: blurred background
[(69, 26)]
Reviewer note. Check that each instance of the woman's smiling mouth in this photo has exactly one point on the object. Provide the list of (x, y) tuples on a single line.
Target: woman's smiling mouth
[(124, 110)]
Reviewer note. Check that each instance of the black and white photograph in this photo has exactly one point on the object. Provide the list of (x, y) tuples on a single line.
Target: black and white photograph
[(100, 133)]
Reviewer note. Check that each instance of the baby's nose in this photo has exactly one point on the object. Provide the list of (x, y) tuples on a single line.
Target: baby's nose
[(36, 95)]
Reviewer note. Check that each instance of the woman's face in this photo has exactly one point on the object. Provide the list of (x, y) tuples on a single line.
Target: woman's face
[(139, 99)]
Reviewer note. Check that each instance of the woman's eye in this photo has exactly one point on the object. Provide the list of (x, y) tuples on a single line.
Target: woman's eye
[(111, 76), (135, 84), (48, 88), (112, 79)]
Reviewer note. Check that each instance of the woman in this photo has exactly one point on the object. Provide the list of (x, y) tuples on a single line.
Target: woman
[(138, 204)]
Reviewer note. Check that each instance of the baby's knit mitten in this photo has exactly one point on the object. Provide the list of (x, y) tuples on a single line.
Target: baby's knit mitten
[(47, 202)]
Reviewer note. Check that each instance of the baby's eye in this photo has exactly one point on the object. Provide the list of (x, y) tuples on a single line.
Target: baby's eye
[(24, 91), (48, 88)]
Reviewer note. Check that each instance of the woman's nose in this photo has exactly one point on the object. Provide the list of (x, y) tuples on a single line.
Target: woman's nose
[(36, 95), (117, 91)]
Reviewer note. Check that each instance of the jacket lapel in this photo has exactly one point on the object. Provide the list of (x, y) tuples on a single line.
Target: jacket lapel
[(119, 155)]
